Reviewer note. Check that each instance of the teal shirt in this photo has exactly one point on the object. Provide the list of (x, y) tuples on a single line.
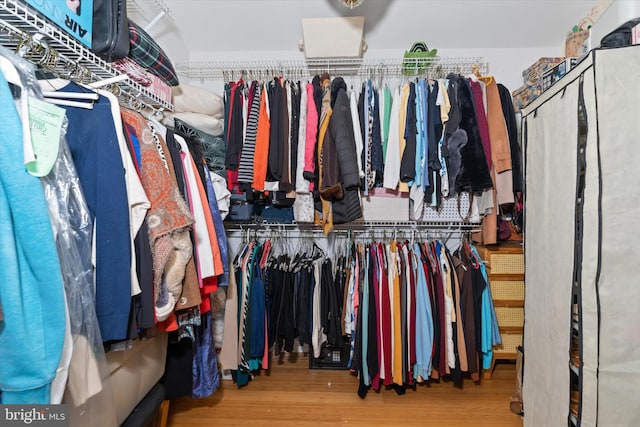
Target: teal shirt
[(386, 118), (490, 331), (31, 289)]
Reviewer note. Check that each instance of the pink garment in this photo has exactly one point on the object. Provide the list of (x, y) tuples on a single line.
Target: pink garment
[(483, 124), (312, 132), (375, 379), (231, 177)]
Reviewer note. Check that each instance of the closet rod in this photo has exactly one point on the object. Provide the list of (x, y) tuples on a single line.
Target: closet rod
[(356, 226), (42, 42), (373, 68)]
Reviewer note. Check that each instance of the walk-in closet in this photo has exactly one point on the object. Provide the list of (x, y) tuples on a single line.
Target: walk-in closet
[(319, 212)]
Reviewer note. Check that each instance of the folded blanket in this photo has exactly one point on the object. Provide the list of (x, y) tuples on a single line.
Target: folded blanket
[(193, 99), (147, 53)]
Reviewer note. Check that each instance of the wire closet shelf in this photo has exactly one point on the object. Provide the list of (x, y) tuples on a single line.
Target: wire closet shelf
[(359, 225), (437, 67), (22, 27)]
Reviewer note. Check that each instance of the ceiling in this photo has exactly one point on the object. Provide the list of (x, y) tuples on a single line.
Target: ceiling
[(197, 26)]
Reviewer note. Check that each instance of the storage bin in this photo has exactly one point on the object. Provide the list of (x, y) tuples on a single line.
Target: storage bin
[(524, 95), (576, 44), (533, 75), (510, 317), (507, 290), (509, 347), (555, 73), (506, 263)]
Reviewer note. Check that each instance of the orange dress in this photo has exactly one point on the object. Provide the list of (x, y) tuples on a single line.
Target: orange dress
[(261, 154)]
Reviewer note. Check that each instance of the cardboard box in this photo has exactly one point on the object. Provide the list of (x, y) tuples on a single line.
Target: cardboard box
[(533, 75), (524, 95), (554, 74)]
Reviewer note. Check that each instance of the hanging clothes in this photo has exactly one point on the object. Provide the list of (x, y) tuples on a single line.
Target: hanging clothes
[(260, 158), (407, 165), (512, 130), (245, 167), (32, 337), (234, 134), (169, 221)]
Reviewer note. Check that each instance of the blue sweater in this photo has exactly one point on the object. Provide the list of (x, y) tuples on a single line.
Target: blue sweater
[(31, 290), (91, 136)]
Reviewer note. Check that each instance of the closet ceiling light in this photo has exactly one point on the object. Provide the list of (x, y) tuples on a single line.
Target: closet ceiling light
[(351, 4)]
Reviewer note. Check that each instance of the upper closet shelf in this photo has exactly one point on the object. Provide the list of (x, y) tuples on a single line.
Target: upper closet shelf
[(43, 42), (437, 67)]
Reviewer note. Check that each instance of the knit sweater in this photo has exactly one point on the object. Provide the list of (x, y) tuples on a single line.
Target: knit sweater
[(93, 141), (31, 289)]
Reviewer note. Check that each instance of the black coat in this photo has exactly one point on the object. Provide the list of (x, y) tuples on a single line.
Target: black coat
[(474, 176), (341, 129), (276, 133), (512, 130), (408, 161)]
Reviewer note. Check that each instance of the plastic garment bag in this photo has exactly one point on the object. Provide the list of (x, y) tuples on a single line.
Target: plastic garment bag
[(31, 290), (88, 391)]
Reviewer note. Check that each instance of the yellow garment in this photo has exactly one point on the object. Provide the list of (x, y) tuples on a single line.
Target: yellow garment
[(446, 107), (403, 187)]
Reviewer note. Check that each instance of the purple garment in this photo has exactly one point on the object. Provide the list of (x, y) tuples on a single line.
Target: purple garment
[(205, 365), (481, 117)]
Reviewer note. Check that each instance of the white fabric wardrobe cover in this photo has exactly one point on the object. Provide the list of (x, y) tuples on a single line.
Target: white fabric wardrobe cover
[(610, 287), (617, 78), (550, 171)]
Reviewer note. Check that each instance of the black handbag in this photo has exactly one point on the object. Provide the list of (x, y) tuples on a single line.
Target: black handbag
[(621, 36), (110, 29)]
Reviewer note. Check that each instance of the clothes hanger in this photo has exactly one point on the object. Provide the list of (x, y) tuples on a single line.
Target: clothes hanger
[(71, 95), (67, 103), (50, 61), (111, 80), (475, 70)]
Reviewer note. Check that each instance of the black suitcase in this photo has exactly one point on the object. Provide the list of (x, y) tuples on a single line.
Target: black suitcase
[(110, 29), (621, 36)]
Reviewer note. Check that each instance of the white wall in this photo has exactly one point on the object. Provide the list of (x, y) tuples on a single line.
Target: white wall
[(619, 12), (164, 31), (505, 64)]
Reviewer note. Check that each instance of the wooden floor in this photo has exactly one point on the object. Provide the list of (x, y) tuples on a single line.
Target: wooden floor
[(293, 395)]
